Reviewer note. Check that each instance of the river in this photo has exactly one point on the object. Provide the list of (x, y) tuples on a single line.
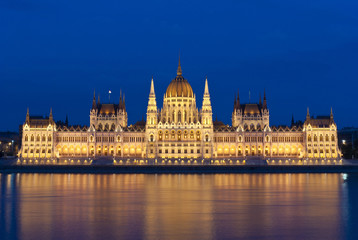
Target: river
[(179, 206)]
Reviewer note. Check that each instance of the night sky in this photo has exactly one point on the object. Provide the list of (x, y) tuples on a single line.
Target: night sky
[(55, 53)]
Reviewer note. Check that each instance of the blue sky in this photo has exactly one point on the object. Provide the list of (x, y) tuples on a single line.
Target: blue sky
[(55, 53)]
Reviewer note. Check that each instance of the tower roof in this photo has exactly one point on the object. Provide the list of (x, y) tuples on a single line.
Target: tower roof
[(179, 87)]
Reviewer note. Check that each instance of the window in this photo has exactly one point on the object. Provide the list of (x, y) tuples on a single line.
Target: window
[(198, 151)]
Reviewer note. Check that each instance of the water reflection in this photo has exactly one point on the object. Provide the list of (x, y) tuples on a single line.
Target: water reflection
[(222, 206)]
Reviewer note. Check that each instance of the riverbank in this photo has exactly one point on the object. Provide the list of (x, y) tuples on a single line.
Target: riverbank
[(162, 169)]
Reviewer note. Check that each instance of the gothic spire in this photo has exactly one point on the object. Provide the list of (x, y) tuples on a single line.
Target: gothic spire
[(152, 92), (260, 102), (51, 117), (331, 116), (94, 105), (308, 114), (179, 72), (206, 90), (27, 115), (292, 121), (99, 101), (265, 102)]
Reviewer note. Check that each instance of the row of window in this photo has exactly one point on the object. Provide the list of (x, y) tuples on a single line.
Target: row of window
[(132, 139), (224, 139), (37, 151), (38, 138), (179, 145), (320, 151), (71, 139), (315, 138), (173, 151), (287, 139)]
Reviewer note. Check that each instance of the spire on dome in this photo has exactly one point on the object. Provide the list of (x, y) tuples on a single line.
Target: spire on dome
[(179, 72), (331, 116)]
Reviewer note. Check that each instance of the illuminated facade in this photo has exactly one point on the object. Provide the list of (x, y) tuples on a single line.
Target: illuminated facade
[(178, 132)]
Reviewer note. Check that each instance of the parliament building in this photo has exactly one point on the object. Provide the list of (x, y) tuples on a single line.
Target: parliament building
[(179, 133)]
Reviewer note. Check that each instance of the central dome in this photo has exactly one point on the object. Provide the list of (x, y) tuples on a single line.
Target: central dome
[(179, 87)]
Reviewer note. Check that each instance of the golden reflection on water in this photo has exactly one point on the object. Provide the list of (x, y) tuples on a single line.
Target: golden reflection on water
[(171, 206)]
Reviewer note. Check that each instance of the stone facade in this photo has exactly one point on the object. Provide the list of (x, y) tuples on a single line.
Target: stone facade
[(178, 131)]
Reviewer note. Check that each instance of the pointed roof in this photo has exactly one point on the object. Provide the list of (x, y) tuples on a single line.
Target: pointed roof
[(152, 92), (51, 116), (264, 105), (206, 90), (308, 113), (179, 72), (94, 105)]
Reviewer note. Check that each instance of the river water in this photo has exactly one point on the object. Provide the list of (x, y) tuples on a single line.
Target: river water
[(179, 206)]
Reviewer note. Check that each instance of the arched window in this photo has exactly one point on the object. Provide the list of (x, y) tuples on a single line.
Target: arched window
[(327, 138), (100, 127), (258, 126), (26, 138), (198, 135), (118, 138), (240, 138), (160, 135), (173, 134), (49, 138), (252, 126), (207, 138), (179, 135), (106, 127), (333, 138), (309, 138), (32, 138), (151, 138), (38, 138), (185, 134), (267, 138), (43, 138), (91, 138), (113, 127), (179, 116), (315, 138), (321, 138)]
